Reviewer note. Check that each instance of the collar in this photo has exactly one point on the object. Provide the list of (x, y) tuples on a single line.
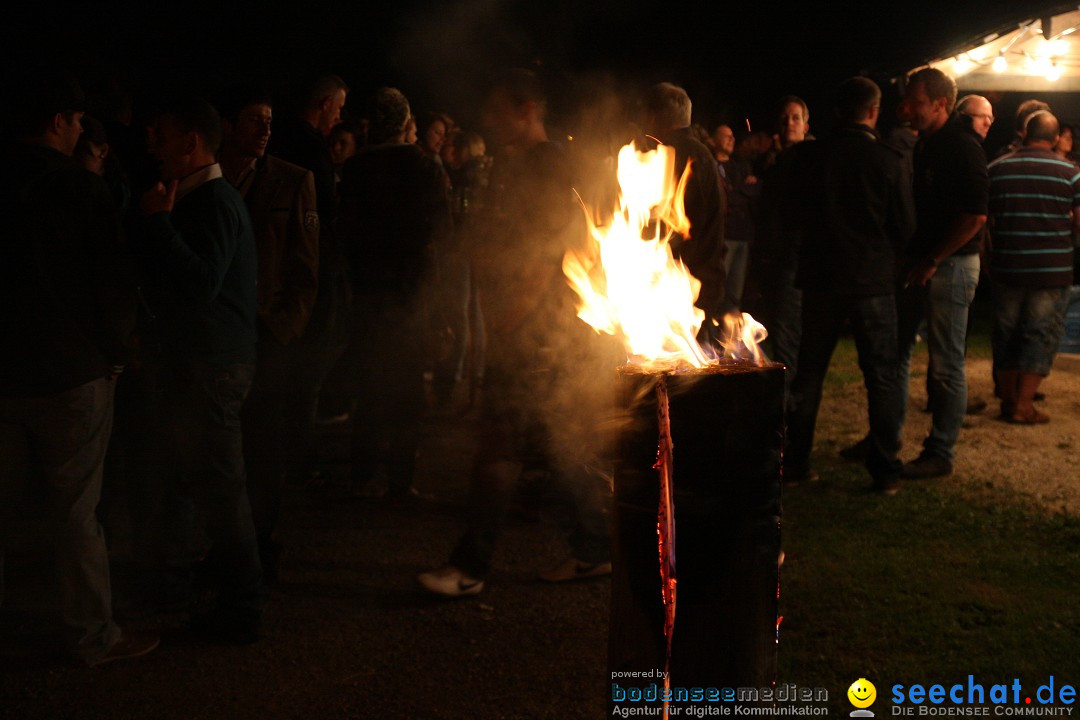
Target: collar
[(862, 128), (202, 175)]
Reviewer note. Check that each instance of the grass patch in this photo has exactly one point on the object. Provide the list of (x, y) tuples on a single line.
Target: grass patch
[(944, 580)]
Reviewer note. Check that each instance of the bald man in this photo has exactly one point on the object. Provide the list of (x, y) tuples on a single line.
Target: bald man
[(979, 111)]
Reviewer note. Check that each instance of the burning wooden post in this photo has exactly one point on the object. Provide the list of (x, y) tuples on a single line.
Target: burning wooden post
[(698, 464), (726, 434)]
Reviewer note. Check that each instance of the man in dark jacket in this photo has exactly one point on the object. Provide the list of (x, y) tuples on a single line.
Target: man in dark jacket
[(667, 118), (856, 215), (281, 199), (201, 259), (394, 206), (302, 140), (69, 305)]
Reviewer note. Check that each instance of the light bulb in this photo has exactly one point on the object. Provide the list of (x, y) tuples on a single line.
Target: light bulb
[(1000, 64)]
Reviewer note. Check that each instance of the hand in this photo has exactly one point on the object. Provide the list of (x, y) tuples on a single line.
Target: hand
[(158, 199), (921, 273)]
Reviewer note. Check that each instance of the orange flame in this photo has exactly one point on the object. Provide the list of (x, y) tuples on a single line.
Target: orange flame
[(631, 286)]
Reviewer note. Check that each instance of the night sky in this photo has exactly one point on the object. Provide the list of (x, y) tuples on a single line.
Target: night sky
[(735, 58)]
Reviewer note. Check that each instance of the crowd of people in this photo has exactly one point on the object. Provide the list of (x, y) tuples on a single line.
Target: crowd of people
[(187, 309)]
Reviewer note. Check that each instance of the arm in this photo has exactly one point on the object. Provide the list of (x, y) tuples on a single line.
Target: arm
[(968, 175), (965, 227), (196, 260)]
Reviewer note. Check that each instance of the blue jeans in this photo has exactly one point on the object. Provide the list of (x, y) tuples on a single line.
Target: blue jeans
[(948, 297), (207, 471), (736, 260), (873, 323), (66, 435), (1028, 325)]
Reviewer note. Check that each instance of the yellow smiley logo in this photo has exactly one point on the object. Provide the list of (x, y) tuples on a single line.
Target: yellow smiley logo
[(862, 693)]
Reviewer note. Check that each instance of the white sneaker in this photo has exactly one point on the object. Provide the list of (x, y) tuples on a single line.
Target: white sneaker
[(574, 569), (450, 582)]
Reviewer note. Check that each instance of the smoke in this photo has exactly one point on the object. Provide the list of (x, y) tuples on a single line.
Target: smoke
[(446, 53)]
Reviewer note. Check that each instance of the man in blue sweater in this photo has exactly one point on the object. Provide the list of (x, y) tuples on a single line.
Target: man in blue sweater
[(201, 258)]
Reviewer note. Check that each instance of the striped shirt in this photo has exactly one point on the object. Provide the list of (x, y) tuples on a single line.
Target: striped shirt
[(1032, 196)]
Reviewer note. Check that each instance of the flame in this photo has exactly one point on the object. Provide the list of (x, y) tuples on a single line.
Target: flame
[(631, 286), (743, 336)]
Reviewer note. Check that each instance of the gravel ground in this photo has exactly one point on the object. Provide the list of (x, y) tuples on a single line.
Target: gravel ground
[(1040, 462), (351, 636)]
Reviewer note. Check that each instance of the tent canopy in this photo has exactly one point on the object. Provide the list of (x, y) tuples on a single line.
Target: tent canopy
[(1036, 55)]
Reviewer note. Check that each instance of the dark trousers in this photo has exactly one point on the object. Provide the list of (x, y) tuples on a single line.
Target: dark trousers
[(322, 346), (59, 441), (521, 428), (874, 326), (779, 309), (386, 368), (275, 418), (208, 461)]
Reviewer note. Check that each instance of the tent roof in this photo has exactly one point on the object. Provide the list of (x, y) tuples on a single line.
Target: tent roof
[(1038, 55)]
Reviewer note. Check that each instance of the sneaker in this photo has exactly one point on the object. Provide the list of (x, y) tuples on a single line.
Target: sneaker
[(449, 581), (130, 645), (888, 487), (574, 569), (926, 466)]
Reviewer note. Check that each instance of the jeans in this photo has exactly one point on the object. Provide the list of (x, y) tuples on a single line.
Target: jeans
[(1028, 326), (784, 324), (948, 297), (208, 461), (873, 323), (62, 439), (736, 258)]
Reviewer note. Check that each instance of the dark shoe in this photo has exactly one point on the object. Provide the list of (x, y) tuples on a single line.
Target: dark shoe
[(926, 466), (858, 451), (130, 645), (796, 478), (888, 487), (574, 569), (228, 627), (975, 406), (407, 496), (1039, 397), (269, 556)]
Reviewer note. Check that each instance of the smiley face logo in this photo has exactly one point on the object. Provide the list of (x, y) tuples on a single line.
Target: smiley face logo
[(862, 693)]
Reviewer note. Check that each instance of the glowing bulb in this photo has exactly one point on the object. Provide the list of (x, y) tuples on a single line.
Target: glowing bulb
[(1059, 47), (1000, 65), (963, 65), (1054, 73)]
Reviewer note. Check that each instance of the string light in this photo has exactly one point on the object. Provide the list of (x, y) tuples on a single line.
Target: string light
[(1000, 64), (963, 65)]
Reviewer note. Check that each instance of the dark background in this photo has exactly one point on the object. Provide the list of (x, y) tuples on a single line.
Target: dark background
[(734, 58)]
